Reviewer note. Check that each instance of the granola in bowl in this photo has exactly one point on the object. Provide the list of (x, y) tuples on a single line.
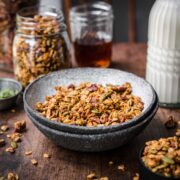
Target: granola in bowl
[(91, 105), (163, 156)]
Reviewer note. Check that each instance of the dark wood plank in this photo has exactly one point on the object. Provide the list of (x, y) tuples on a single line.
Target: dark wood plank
[(70, 165), (131, 20)]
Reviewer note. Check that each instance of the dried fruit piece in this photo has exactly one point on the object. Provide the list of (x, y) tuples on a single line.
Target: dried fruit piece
[(20, 126), (10, 150), (91, 176), (46, 155), (4, 128), (121, 167), (171, 123), (27, 153), (2, 142), (34, 162), (12, 176)]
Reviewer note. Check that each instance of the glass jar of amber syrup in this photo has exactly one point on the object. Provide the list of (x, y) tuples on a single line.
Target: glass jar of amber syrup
[(91, 34)]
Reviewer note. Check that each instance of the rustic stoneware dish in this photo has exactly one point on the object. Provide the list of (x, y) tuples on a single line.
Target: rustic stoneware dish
[(94, 142), (147, 174), (40, 88), (7, 83)]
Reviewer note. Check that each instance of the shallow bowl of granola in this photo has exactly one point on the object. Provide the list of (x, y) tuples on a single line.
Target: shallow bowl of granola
[(93, 142), (140, 95), (160, 159)]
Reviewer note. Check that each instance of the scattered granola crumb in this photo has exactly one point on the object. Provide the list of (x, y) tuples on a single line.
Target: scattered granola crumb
[(20, 126), (4, 128), (161, 156), (13, 110), (12, 176), (178, 132), (2, 142), (46, 155), (34, 162), (136, 177), (104, 178), (8, 135), (14, 145), (1, 178), (121, 167), (1, 132), (91, 176), (10, 150), (110, 163), (171, 123), (16, 137), (27, 153)]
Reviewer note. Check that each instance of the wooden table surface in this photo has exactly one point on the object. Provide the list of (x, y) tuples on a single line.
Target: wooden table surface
[(69, 165)]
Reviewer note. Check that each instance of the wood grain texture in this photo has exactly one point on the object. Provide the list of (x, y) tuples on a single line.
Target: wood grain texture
[(70, 165)]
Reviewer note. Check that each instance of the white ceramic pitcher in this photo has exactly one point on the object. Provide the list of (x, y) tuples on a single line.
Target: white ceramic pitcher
[(163, 57)]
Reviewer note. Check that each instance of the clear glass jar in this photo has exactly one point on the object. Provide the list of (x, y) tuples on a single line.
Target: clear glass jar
[(8, 10), (41, 44), (5, 49), (91, 33)]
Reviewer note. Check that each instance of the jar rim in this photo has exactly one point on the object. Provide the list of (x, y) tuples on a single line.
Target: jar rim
[(25, 16), (91, 12)]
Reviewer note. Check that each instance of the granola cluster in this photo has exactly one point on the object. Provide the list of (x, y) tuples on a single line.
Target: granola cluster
[(90, 104), (163, 156), (38, 49)]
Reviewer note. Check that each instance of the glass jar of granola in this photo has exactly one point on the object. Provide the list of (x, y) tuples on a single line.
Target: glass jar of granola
[(4, 33), (41, 44), (8, 9)]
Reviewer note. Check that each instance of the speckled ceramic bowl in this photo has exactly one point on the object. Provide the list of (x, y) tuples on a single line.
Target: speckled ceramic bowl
[(44, 86), (94, 142)]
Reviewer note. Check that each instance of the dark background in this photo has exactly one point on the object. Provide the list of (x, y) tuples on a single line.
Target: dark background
[(120, 8)]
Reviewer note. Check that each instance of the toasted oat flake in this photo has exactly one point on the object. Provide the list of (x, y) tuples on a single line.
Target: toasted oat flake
[(110, 163), (13, 110), (121, 167), (10, 150), (104, 178), (27, 153), (178, 132), (12, 176), (91, 176), (16, 137), (34, 162), (4, 128), (1, 132), (136, 177), (46, 155)]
